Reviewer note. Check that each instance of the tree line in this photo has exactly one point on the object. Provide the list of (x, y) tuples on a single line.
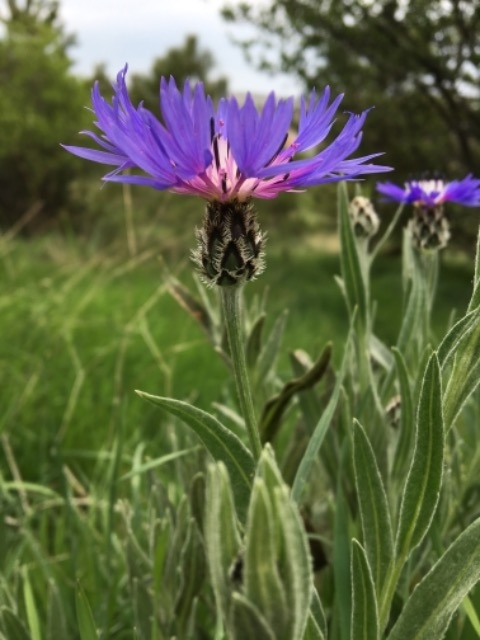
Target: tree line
[(416, 61)]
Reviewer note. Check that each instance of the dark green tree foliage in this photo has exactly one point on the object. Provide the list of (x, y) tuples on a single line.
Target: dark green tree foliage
[(417, 61), (39, 101), (185, 61)]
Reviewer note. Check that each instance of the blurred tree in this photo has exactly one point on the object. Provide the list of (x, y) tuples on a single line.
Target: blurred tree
[(39, 101), (185, 61), (417, 61)]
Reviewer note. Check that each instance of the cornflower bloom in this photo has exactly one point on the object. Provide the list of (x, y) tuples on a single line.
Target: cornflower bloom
[(227, 155), (429, 226)]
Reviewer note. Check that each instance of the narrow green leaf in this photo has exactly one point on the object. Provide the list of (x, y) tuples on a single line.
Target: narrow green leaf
[(158, 462), (56, 620), (247, 621), (475, 299), (192, 569), (310, 455), (13, 627), (465, 374), (85, 621), (456, 335), (341, 562), (374, 510), (222, 444), (268, 354), (274, 409), (254, 340), (472, 615), (353, 282), (380, 352), (422, 487), (222, 538), (192, 305), (364, 603), (407, 419), (263, 584), (317, 612), (428, 611), (308, 400), (313, 631), (296, 569), (31, 608)]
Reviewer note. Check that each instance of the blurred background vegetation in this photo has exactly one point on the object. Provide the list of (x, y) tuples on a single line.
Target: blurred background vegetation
[(417, 62)]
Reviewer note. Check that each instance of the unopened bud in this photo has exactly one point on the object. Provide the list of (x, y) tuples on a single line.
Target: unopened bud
[(365, 221)]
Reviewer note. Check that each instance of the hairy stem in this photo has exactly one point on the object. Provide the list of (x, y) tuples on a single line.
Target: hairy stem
[(232, 302)]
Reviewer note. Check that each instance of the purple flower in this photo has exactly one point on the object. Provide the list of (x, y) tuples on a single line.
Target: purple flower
[(226, 153), (432, 193)]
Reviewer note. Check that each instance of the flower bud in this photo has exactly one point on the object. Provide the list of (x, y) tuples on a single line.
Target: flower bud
[(365, 221)]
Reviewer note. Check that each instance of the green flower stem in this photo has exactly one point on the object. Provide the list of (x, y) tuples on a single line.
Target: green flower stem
[(232, 311)]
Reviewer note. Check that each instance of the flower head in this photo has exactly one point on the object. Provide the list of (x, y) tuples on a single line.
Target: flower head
[(226, 153), (431, 193), (429, 227)]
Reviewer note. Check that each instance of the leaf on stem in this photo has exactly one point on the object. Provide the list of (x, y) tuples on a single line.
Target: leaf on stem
[(364, 624), (422, 487), (222, 444), (374, 510), (435, 599)]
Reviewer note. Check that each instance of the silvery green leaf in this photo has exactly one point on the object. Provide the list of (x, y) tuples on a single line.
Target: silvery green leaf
[(380, 352), (298, 579), (412, 323), (254, 340), (247, 621), (341, 564), (353, 281), (458, 333), (222, 444), (407, 420), (263, 584), (422, 486), (464, 376), (222, 537), (277, 558), (192, 570), (364, 625), (317, 623), (269, 352), (475, 299), (429, 609), (313, 631), (374, 509), (323, 424)]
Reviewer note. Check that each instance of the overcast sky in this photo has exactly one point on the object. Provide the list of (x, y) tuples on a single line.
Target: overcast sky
[(137, 31)]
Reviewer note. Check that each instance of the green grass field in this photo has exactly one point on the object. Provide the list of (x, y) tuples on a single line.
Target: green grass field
[(83, 324)]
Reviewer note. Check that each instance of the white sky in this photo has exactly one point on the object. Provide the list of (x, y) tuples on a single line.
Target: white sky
[(137, 31)]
